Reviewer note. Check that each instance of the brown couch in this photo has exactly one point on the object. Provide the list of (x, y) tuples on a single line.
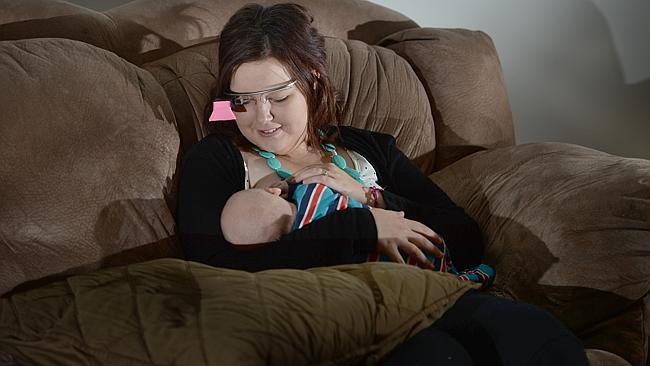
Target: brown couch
[(98, 108)]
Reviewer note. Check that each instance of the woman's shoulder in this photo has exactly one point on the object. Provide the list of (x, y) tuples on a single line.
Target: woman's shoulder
[(355, 138), (214, 158), (214, 145)]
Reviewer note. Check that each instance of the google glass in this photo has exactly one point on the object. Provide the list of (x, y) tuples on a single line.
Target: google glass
[(240, 101)]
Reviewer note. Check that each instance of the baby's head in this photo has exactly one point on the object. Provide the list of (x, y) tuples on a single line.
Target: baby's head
[(256, 215)]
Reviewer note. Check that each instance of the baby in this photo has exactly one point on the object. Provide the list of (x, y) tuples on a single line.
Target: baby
[(274, 216)]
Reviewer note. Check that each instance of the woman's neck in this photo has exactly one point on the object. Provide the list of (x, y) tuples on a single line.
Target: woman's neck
[(303, 155)]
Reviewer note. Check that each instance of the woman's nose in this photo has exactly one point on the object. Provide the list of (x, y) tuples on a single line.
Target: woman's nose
[(263, 111)]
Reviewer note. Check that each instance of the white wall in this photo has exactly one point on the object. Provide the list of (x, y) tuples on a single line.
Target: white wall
[(576, 70)]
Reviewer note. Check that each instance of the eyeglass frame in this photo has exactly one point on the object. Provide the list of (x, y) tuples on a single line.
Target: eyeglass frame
[(233, 96)]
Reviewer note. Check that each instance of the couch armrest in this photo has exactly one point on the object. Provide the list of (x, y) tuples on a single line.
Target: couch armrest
[(461, 72), (567, 228)]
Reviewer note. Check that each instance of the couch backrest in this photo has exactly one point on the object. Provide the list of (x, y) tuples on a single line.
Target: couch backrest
[(56, 19), (168, 26), (146, 30), (459, 69)]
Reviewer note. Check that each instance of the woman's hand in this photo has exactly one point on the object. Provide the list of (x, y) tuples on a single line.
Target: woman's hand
[(332, 176), (396, 233)]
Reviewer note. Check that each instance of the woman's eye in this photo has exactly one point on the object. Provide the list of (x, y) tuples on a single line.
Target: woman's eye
[(279, 100)]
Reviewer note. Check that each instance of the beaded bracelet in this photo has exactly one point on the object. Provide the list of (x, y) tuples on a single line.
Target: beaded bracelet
[(372, 196)]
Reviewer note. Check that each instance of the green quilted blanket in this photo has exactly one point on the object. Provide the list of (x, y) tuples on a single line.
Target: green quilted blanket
[(174, 312)]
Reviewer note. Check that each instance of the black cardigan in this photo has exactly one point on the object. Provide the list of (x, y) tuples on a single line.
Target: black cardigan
[(213, 170)]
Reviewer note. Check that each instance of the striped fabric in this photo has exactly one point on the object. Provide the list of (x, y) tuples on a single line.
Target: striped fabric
[(316, 200)]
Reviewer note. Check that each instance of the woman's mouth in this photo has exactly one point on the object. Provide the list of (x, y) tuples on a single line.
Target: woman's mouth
[(269, 132)]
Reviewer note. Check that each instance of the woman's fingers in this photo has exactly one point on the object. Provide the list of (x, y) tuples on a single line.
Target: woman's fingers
[(316, 170), (318, 179), (425, 238), (274, 190), (333, 177), (414, 252), (410, 236), (394, 254), (425, 245), (420, 228)]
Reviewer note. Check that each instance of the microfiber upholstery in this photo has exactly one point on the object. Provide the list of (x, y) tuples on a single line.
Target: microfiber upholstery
[(89, 148), (461, 73), (170, 311), (188, 78), (147, 30), (56, 19), (152, 29), (563, 224), (382, 93), (380, 90), (88, 154)]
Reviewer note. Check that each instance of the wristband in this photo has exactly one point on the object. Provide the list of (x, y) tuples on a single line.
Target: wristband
[(372, 196)]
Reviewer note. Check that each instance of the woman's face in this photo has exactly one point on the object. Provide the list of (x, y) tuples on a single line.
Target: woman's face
[(274, 121)]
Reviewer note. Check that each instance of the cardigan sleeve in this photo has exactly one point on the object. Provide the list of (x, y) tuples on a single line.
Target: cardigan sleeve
[(422, 200), (211, 172)]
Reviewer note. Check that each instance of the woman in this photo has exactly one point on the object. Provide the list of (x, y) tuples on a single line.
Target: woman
[(272, 67)]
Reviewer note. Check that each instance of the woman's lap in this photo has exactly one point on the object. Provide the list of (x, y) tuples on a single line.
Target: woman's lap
[(431, 346), (492, 331)]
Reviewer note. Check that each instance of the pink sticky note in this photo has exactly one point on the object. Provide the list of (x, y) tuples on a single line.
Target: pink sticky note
[(221, 111)]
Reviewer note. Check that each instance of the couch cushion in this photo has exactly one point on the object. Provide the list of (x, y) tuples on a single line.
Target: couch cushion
[(188, 77), (461, 72), (567, 228), (381, 91), (88, 151), (170, 311)]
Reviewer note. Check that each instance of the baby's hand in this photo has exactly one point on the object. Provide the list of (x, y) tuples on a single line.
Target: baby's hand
[(280, 188), (274, 190), (272, 186)]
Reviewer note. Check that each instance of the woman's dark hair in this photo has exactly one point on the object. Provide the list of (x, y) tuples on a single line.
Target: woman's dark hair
[(284, 32)]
